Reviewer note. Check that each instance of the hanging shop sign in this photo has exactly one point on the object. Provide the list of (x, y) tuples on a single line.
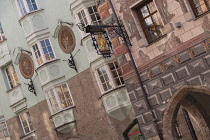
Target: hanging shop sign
[(26, 66), (102, 43), (66, 39)]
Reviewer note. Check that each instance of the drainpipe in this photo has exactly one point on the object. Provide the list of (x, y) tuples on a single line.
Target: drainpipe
[(136, 70)]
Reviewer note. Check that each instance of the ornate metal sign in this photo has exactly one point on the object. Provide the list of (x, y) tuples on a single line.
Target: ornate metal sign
[(66, 39), (102, 43), (26, 66)]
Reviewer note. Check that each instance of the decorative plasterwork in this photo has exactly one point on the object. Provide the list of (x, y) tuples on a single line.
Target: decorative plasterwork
[(117, 104)]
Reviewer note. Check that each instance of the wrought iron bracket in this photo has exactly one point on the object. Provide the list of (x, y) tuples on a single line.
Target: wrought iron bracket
[(31, 87), (71, 62)]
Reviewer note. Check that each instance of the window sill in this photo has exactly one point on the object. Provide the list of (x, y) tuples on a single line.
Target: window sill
[(30, 134), (156, 40), (62, 111), (47, 63), (28, 14), (13, 88), (107, 92)]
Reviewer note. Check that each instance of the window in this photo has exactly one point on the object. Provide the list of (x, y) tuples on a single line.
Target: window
[(150, 21), (3, 130), (200, 6), (89, 16), (42, 52), (2, 37), (109, 76), (26, 122), (26, 6), (95, 18), (11, 76), (82, 17), (59, 98)]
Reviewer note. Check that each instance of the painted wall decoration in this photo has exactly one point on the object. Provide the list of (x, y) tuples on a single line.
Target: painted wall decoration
[(66, 39), (172, 42), (128, 18), (26, 66), (102, 44), (183, 6), (206, 24), (142, 58), (162, 6)]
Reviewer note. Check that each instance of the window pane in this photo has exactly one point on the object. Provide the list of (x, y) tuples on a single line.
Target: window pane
[(90, 10), (32, 5), (37, 54), (116, 73), (144, 11), (64, 96), (12, 76), (22, 7), (151, 7), (26, 122), (95, 18), (47, 49), (200, 6)]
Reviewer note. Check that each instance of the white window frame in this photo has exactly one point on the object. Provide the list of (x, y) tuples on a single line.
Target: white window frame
[(57, 98), (88, 17), (41, 52), (27, 121), (12, 75), (111, 79), (26, 7), (3, 128)]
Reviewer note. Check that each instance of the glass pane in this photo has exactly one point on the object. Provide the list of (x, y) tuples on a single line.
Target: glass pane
[(102, 79), (118, 82), (144, 11), (114, 74), (93, 17), (151, 7), (106, 77), (99, 71), (105, 87), (90, 10), (111, 66)]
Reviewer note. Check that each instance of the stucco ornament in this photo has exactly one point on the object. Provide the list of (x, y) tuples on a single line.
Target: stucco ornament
[(66, 39), (206, 24), (26, 66)]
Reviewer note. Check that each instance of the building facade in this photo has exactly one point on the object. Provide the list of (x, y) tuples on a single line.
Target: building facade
[(53, 84), (170, 46)]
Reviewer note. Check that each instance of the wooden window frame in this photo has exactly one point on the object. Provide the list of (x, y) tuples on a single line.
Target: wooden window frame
[(141, 18), (192, 5)]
